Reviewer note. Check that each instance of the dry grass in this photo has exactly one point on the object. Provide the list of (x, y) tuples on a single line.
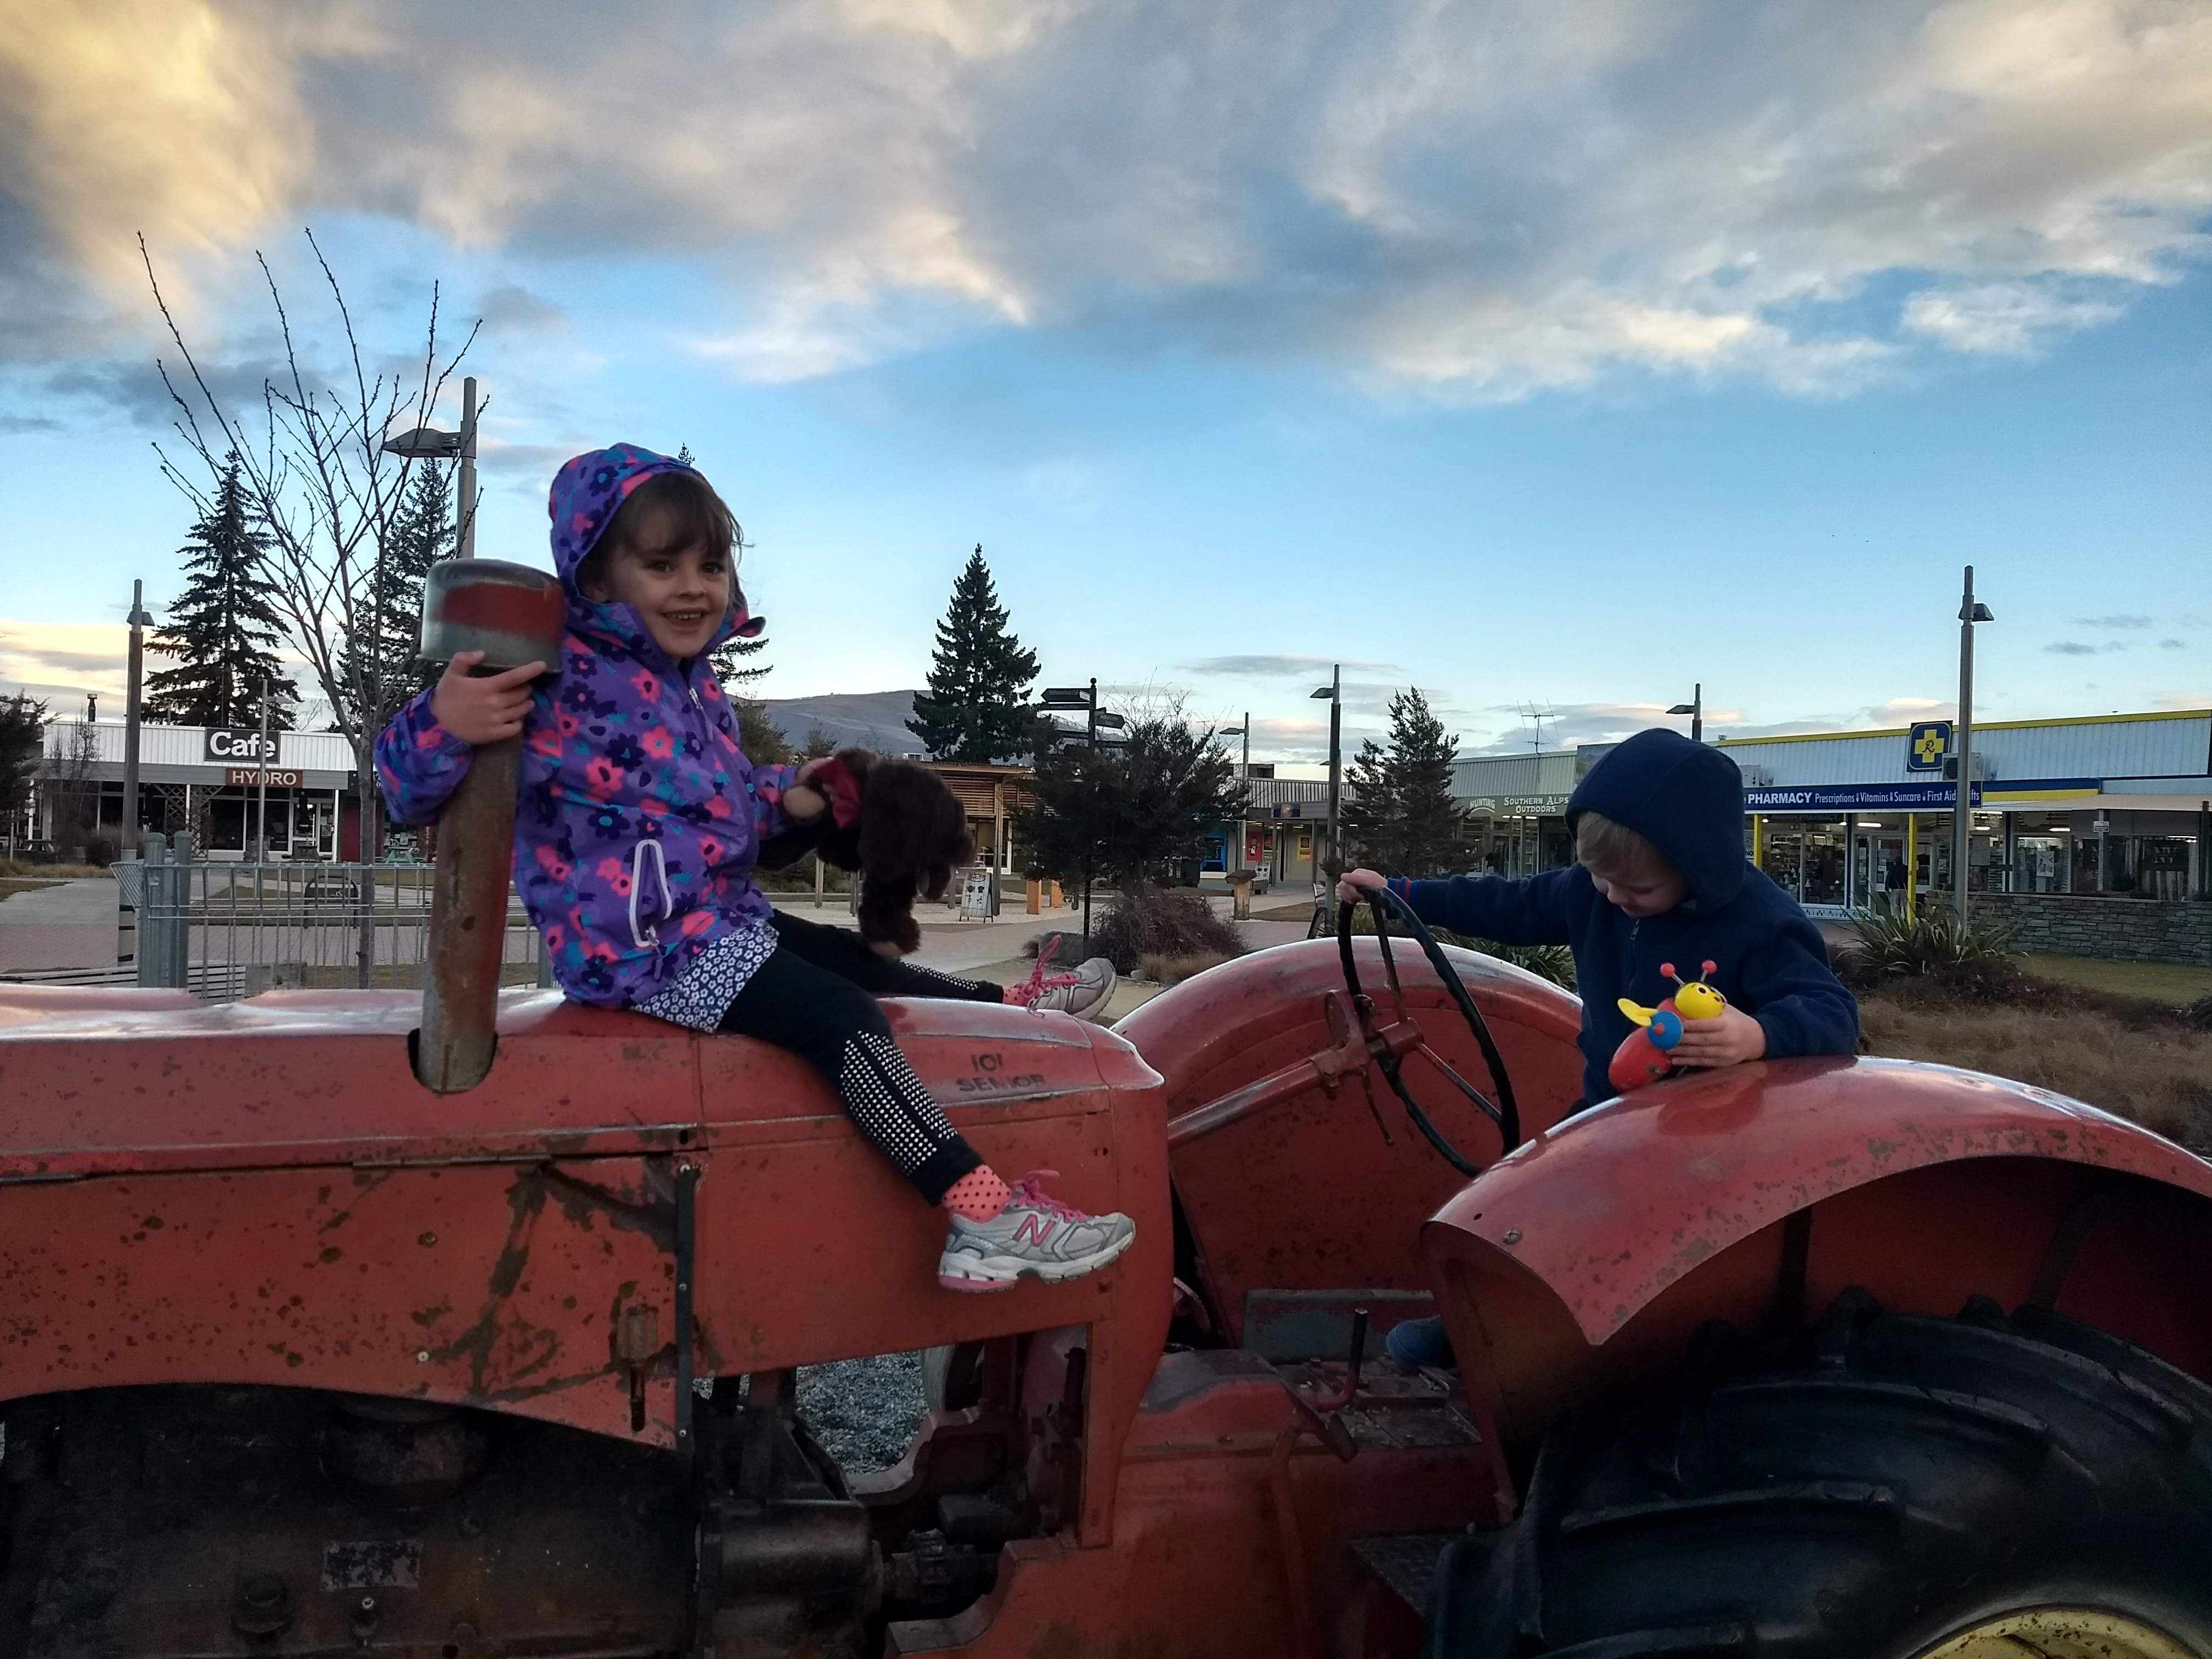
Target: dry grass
[(2161, 981), (2134, 1058), (1164, 970), (12, 885), (24, 869)]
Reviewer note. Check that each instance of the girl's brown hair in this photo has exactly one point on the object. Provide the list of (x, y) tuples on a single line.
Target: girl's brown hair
[(668, 511)]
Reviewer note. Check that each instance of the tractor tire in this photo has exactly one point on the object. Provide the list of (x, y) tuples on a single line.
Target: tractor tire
[(1886, 1487)]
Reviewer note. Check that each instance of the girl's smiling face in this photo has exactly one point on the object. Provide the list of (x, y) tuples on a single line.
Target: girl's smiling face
[(680, 593)]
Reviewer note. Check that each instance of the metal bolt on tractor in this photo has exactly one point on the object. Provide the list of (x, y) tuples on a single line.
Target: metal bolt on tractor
[(332, 1325)]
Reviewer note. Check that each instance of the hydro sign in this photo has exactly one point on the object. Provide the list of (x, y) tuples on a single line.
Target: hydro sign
[(232, 747)]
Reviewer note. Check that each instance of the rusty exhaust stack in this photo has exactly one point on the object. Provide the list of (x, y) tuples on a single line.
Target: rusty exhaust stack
[(513, 614)]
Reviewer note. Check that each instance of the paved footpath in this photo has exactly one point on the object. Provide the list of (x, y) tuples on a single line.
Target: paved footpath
[(70, 925)]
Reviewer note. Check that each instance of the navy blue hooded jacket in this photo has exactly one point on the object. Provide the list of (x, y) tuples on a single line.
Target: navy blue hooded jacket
[(1687, 798)]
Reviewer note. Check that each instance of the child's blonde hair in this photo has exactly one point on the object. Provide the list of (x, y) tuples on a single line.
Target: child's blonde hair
[(1613, 850)]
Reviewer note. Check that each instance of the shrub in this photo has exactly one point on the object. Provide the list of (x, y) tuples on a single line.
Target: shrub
[(1162, 921), (2199, 1012), (1892, 945)]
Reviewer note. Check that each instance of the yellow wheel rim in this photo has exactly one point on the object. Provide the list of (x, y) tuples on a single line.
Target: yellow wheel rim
[(2060, 1633)]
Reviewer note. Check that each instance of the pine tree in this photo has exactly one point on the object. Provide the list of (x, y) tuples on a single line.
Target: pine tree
[(22, 749), (223, 628), (729, 657), (422, 534), (1400, 815), (975, 708)]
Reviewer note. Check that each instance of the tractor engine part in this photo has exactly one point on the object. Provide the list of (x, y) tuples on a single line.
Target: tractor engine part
[(207, 1522), (788, 1561), (405, 1452)]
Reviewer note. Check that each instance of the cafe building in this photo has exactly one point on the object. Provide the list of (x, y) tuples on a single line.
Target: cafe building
[(209, 780)]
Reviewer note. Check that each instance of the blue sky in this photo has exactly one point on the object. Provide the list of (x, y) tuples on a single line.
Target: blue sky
[(1536, 357)]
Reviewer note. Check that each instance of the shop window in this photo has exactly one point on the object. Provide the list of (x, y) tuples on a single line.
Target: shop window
[(1822, 867), (2156, 866), (2039, 864)]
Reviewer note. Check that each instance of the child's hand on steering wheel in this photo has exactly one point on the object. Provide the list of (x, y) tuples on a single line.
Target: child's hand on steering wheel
[(1356, 885)]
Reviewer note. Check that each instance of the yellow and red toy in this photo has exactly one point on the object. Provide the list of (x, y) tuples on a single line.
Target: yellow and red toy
[(1645, 1055)]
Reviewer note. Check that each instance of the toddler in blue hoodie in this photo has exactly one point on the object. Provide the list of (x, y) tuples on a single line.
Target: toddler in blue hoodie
[(1660, 876)]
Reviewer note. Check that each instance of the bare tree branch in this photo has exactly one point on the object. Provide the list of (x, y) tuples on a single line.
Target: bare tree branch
[(330, 497)]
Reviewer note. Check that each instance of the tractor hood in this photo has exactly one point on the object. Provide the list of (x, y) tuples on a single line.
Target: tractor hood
[(103, 1082)]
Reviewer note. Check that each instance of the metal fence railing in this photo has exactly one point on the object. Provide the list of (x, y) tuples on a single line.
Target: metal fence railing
[(230, 929)]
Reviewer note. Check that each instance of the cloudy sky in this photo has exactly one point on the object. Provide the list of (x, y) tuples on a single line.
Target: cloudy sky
[(1548, 357)]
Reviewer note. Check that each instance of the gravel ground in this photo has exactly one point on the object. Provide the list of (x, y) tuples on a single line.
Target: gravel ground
[(864, 1411)]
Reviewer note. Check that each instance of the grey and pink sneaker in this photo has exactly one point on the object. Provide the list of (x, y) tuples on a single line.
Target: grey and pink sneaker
[(1083, 992), (1034, 1235)]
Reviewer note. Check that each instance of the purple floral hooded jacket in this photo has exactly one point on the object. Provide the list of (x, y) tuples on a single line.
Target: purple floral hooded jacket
[(639, 818)]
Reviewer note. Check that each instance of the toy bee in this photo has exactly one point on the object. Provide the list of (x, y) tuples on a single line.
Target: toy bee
[(1645, 1055)]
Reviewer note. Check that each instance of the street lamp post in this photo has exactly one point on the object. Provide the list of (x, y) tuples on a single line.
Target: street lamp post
[(1333, 692), (1695, 708), (1068, 698), (133, 689), (425, 443), (261, 835), (1962, 816), (1244, 785)]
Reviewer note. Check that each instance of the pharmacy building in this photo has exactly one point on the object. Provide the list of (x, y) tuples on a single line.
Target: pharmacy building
[(2090, 834)]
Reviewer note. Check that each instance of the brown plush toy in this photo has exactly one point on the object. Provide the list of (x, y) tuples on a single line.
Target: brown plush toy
[(894, 822)]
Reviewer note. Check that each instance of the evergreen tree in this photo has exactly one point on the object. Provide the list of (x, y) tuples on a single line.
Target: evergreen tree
[(222, 630), (422, 534), (976, 707), (1130, 808), (728, 658), (1398, 813), (22, 749)]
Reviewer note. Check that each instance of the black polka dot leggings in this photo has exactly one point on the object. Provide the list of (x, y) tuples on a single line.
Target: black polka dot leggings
[(815, 996)]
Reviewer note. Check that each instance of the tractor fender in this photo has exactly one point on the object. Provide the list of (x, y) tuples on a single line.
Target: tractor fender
[(1582, 1264)]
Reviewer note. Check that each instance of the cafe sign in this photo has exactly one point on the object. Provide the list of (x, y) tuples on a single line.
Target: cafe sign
[(234, 746)]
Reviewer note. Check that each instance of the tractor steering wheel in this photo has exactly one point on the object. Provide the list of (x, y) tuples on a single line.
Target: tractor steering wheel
[(1505, 1113)]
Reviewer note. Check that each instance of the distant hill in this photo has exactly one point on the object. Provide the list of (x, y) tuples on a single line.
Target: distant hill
[(863, 719)]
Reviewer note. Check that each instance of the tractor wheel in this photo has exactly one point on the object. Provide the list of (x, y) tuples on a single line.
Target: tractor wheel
[(952, 1378), (1887, 1487)]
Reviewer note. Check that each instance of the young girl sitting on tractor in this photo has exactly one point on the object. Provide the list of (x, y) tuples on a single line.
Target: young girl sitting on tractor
[(639, 824)]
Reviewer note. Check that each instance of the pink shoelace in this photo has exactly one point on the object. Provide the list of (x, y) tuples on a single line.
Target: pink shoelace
[(1027, 994), (1027, 1191)]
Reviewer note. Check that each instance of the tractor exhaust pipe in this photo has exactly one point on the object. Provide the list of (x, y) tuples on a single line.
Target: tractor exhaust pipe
[(513, 614)]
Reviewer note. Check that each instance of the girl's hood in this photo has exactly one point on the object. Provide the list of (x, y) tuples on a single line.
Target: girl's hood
[(587, 493)]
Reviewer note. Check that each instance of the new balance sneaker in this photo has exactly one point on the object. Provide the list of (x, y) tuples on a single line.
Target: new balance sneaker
[(1034, 1235), (1083, 993)]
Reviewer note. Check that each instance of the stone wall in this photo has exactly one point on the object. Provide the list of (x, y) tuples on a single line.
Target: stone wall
[(2129, 929)]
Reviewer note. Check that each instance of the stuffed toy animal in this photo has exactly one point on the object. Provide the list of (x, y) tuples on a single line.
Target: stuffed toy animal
[(894, 822), (1646, 1054)]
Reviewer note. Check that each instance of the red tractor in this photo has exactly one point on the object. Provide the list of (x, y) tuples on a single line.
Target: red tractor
[(302, 1355)]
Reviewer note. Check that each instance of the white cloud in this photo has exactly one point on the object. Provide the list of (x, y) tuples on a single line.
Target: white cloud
[(2001, 319), (1463, 199)]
